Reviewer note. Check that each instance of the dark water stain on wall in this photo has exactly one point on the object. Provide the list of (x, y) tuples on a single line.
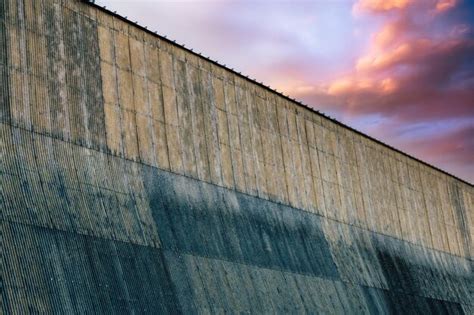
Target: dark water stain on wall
[(202, 219)]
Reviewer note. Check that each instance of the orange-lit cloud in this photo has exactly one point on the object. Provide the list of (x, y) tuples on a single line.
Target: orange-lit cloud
[(444, 5), (411, 75), (381, 5)]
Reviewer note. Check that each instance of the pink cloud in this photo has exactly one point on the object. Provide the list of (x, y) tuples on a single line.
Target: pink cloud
[(410, 74), (381, 5)]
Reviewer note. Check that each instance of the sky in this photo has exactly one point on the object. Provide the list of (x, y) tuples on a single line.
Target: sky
[(401, 71)]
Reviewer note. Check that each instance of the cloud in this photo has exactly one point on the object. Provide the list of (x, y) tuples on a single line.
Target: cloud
[(413, 72), (444, 5), (381, 5)]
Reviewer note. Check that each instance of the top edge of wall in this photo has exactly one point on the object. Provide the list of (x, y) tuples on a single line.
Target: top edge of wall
[(268, 88)]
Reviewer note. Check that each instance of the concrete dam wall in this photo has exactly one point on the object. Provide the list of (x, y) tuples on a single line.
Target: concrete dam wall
[(139, 177)]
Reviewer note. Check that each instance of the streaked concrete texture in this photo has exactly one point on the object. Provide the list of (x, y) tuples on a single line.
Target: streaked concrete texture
[(137, 177)]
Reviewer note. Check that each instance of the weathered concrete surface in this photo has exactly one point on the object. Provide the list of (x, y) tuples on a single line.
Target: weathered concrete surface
[(138, 177)]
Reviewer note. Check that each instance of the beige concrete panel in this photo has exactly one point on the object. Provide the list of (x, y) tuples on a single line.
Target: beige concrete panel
[(186, 133), (238, 170), (247, 150), (361, 216), (452, 240), (281, 116), (218, 93), (152, 63), (137, 56), (227, 170), (468, 198), (307, 177), (332, 200), (113, 129), (289, 172), (319, 206), (217, 71), (230, 98), (140, 95), (261, 179), (166, 69), (444, 236), (223, 129), (129, 135), (298, 175), (261, 113), (350, 148), (271, 187), (125, 88), (178, 52), (267, 145), (174, 149), (414, 177), (272, 114), (193, 59), (210, 128), (257, 143), (136, 33), (328, 167), (430, 227), (242, 105), (121, 25), (282, 190), (315, 162), (122, 51), (259, 162), (106, 45), (105, 19), (245, 137), (252, 109), (349, 212), (249, 173), (155, 98), (160, 145), (337, 141), (145, 139), (197, 122), (292, 129), (171, 109), (327, 140), (234, 132), (343, 175), (406, 223), (109, 83)]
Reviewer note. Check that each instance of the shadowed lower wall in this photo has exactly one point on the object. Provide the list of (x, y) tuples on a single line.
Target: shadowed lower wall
[(138, 177)]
